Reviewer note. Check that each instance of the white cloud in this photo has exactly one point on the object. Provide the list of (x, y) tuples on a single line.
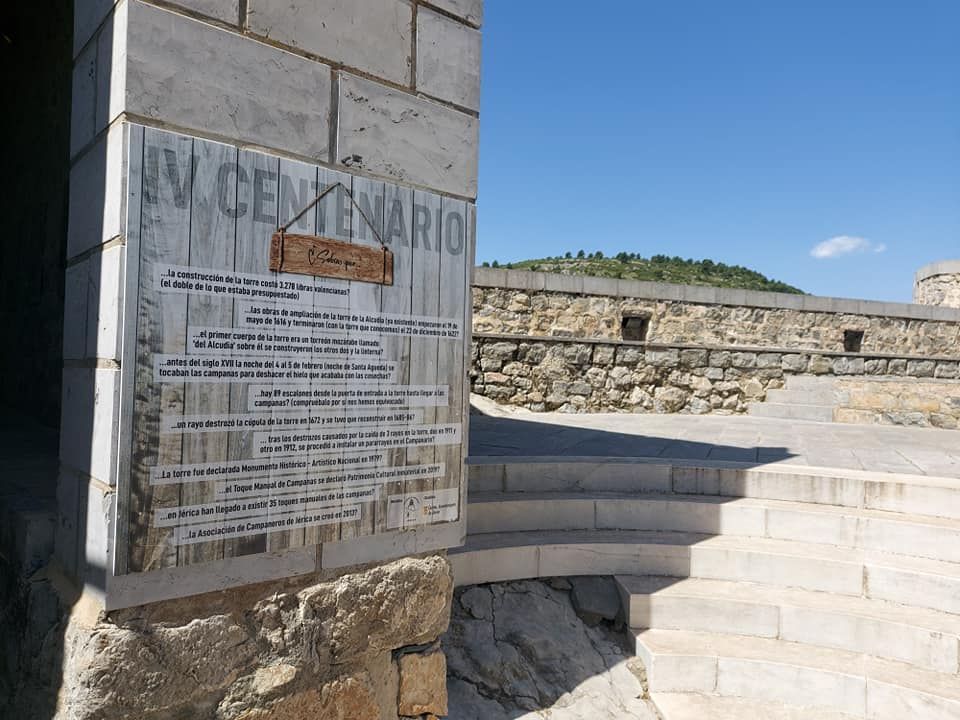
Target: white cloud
[(845, 245)]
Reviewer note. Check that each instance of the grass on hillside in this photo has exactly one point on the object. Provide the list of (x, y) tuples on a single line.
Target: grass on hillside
[(658, 268)]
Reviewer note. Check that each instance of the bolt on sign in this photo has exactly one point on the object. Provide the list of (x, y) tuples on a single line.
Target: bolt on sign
[(275, 398)]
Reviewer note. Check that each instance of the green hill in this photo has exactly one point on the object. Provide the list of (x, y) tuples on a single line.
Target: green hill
[(658, 268)]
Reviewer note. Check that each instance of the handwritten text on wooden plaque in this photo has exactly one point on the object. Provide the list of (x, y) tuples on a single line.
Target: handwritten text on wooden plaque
[(324, 257)]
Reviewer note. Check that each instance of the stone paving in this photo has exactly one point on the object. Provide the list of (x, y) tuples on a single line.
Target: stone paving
[(877, 448)]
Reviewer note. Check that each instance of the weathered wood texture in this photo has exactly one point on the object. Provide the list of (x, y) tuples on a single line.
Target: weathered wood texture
[(161, 328), (212, 245), (324, 257), (398, 214), (213, 208)]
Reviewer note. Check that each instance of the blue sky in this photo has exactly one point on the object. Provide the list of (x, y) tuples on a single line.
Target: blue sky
[(748, 132)]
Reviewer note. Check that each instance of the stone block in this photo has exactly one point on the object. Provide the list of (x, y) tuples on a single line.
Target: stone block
[(743, 360), (713, 373), (371, 36), (531, 515), (498, 564), (819, 365), (921, 368), (719, 359), (93, 297), (407, 138), (68, 520), (248, 91), (949, 370), (423, 684), (581, 388), (87, 17), (112, 66), (469, 10), (769, 360), (104, 302), (75, 311), (669, 399), (848, 366), (485, 477), (95, 210), (603, 354), (227, 11), (897, 367), (693, 358), (88, 433), (96, 534), (794, 362), (854, 417), (663, 358), (83, 111), (629, 355), (448, 60), (943, 421)]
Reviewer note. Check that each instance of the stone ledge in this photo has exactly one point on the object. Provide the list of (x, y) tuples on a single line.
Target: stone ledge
[(614, 287), (693, 346)]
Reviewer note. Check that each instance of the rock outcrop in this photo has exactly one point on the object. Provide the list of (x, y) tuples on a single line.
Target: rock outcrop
[(519, 650)]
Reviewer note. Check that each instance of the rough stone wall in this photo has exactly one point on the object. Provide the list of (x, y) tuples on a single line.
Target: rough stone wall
[(899, 402), (362, 646), (557, 314), (602, 376), (940, 287)]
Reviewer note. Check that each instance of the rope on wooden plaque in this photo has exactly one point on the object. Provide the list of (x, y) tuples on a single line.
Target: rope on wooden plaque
[(376, 233), (357, 268)]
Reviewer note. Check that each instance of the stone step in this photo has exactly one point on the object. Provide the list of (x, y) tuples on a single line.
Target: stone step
[(810, 382), (785, 411), (907, 534), (893, 492), (827, 397), (797, 675), (920, 637), (695, 706), (917, 582)]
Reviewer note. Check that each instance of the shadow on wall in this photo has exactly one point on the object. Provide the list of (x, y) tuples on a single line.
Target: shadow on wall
[(49, 366)]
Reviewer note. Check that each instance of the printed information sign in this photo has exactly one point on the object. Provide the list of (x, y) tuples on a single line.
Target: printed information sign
[(271, 410)]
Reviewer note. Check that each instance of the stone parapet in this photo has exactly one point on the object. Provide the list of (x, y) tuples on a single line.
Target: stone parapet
[(530, 283), (571, 375), (708, 316)]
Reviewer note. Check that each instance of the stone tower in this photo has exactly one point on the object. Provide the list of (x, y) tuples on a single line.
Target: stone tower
[(938, 284)]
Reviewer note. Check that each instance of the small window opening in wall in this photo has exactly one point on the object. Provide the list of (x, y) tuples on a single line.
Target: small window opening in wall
[(635, 327), (852, 340)]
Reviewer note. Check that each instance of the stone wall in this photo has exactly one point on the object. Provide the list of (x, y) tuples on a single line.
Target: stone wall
[(361, 646), (889, 401), (938, 284), (571, 375), (555, 342), (539, 304)]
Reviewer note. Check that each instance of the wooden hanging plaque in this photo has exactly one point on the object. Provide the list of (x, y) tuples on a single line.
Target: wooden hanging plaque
[(325, 257)]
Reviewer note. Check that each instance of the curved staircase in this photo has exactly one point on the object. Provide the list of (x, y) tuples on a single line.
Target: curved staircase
[(768, 592)]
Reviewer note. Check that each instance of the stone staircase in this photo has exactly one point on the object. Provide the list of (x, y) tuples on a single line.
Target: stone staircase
[(776, 593), (805, 397)]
